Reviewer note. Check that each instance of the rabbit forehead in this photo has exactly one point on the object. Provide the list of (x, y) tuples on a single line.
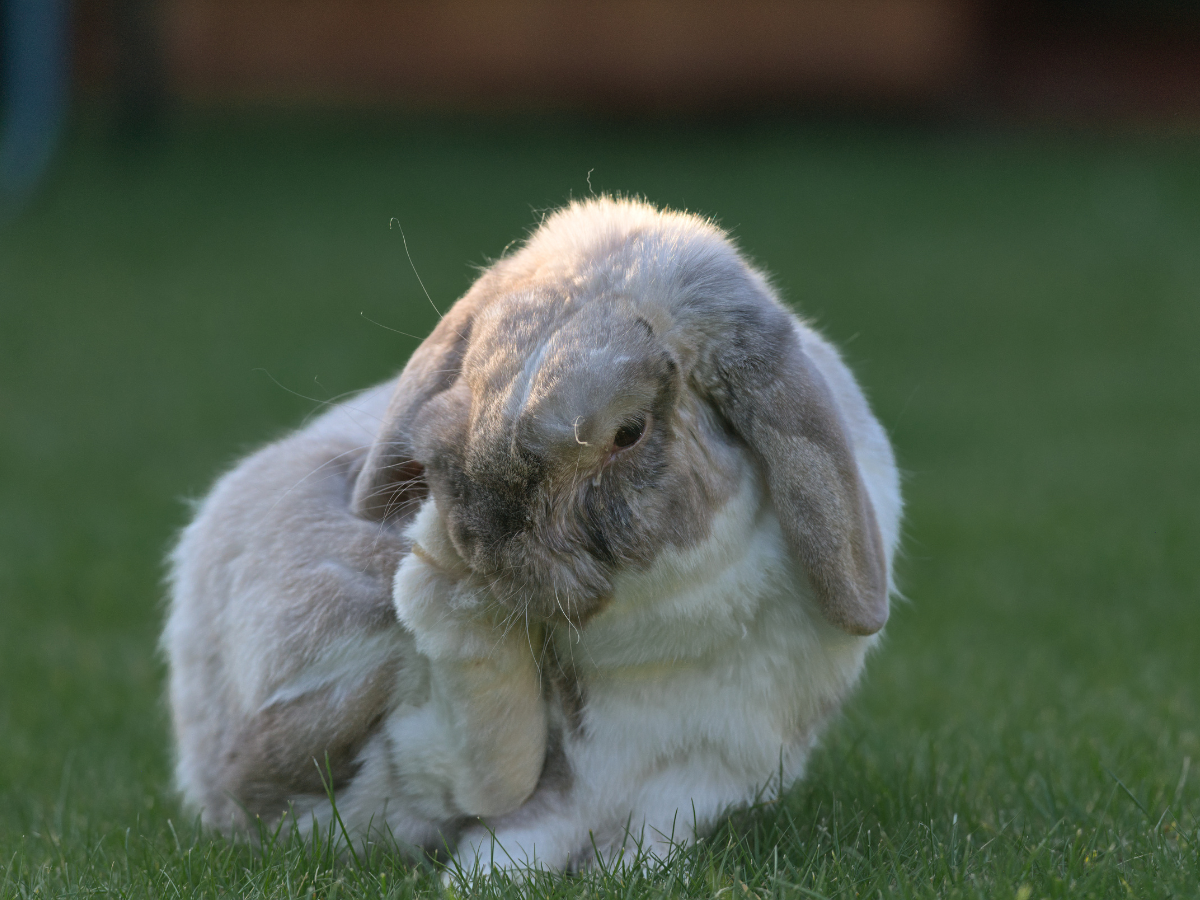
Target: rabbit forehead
[(580, 371)]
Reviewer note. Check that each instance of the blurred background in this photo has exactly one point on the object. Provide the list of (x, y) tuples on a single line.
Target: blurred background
[(1049, 60), (1093, 62), (1027, 60), (994, 208)]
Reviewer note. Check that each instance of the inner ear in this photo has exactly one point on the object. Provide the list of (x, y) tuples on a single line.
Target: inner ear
[(390, 491), (390, 481)]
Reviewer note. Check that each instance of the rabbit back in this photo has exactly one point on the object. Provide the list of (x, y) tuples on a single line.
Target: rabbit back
[(281, 636)]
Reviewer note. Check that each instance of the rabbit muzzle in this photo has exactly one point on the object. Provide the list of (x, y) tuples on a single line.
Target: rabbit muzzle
[(547, 461)]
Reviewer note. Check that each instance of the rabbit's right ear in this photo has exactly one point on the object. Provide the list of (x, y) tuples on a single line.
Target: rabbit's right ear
[(776, 399), (391, 478)]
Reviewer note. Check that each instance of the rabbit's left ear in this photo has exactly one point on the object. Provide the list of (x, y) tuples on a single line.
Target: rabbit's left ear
[(391, 480), (774, 396)]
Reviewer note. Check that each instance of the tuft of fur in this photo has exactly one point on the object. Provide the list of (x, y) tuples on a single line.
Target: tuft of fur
[(595, 568)]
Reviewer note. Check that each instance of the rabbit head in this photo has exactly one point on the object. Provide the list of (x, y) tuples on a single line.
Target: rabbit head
[(589, 402)]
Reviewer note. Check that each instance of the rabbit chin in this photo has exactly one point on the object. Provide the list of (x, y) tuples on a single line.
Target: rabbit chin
[(566, 588)]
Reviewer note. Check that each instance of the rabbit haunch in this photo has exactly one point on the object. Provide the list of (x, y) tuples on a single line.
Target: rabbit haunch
[(601, 560)]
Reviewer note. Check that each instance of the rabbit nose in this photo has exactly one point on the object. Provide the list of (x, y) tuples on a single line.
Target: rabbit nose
[(494, 511)]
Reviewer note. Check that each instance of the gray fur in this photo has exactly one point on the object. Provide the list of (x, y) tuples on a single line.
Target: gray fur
[(612, 314)]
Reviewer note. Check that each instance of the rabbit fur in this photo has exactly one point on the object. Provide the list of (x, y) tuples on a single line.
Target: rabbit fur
[(595, 569)]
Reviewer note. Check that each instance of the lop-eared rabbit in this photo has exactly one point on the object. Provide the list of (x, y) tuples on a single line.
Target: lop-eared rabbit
[(595, 569)]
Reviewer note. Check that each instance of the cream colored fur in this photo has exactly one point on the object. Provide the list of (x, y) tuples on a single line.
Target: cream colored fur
[(704, 676)]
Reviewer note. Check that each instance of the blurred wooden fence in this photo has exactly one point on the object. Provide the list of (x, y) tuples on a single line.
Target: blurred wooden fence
[(1059, 57)]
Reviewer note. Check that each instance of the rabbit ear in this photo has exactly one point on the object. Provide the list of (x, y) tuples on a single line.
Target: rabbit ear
[(391, 478), (772, 393)]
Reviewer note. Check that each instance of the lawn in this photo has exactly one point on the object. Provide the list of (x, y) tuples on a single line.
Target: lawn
[(1023, 310)]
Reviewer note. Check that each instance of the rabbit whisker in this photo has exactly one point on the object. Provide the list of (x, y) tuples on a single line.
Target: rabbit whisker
[(317, 400), (327, 462), (404, 239), (390, 328)]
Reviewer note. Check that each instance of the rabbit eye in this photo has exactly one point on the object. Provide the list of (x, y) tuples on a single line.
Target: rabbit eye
[(629, 433)]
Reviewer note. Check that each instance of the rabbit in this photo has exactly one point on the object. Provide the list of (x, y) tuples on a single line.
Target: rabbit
[(593, 571)]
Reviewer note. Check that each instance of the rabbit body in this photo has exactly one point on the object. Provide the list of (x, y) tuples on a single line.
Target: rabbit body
[(595, 569)]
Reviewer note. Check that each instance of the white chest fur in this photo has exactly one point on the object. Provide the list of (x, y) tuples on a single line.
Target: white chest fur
[(703, 682), (716, 657)]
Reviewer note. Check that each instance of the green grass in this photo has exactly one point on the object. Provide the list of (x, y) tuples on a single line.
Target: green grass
[(1023, 310)]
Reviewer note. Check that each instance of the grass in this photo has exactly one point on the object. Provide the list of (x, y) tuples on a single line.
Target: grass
[(1024, 311)]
